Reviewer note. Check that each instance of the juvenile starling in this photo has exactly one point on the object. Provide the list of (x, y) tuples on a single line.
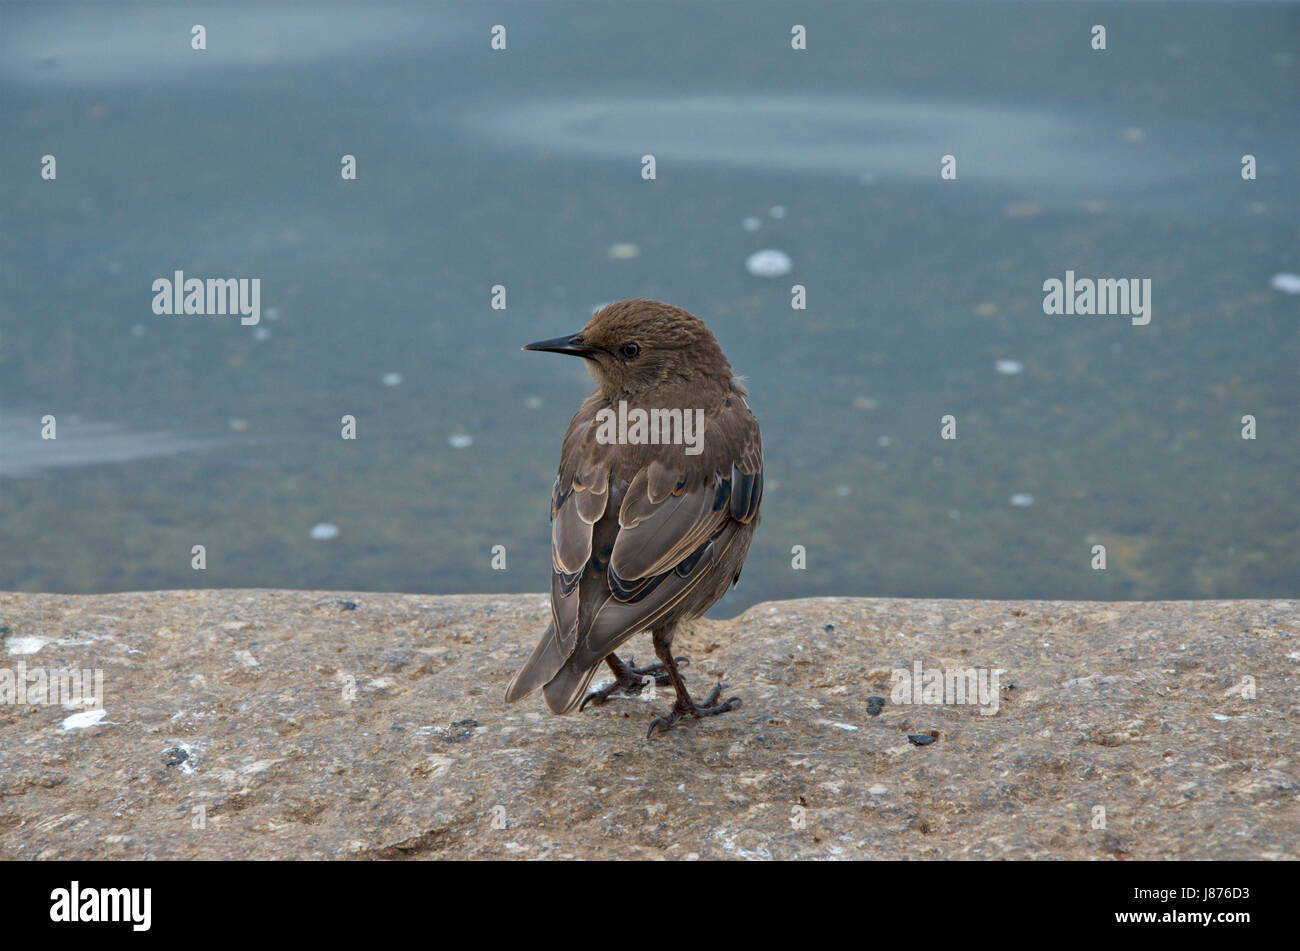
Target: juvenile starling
[(661, 476)]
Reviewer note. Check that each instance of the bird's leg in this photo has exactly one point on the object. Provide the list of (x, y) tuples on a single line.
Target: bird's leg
[(685, 706), (627, 678)]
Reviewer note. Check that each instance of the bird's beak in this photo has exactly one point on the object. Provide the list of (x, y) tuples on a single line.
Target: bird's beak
[(571, 344)]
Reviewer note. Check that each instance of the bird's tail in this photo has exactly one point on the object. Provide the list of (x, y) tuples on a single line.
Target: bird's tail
[(547, 658)]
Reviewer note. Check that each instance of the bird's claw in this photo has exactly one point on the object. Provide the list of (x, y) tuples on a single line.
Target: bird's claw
[(632, 684), (709, 708)]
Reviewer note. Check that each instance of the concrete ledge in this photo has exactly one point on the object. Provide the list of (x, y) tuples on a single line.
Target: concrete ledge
[(291, 724)]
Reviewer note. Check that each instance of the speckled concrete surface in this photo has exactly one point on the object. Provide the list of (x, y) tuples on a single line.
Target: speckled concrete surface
[(289, 724)]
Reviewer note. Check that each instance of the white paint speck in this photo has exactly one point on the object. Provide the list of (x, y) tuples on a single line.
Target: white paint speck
[(84, 719), (842, 490), (768, 263), (777, 211), (1022, 499), (324, 531), (533, 402), (460, 441), (261, 333), (751, 223), (392, 379), (1286, 283), (884, 441), (26, 645), (1009, 367)]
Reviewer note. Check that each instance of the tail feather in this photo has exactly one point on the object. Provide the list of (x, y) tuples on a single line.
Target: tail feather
[(565, 690), (547, 658)]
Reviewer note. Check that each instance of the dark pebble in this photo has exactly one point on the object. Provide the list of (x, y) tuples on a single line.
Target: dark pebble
[(875, 705), (174, 756), (920, 739)]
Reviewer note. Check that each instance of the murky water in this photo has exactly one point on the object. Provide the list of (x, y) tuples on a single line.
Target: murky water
[(523, 168)]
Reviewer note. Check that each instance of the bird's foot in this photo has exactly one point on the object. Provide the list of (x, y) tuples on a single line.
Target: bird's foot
[(628, 681), (709, 708)]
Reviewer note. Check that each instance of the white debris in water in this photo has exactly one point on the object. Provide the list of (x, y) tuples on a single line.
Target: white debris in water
[(261, 333), (461, 441), (1009, 367), (768, 263), (751, 223), (84, 719), (777, 211), (238, 425), (392, 379), (533, 402), (884, 441), (26, 645), (324, 531), (842, 490), (1286, 283), (137, 330), (866, 402), (272, 313), (624, 251), (1022, 499)]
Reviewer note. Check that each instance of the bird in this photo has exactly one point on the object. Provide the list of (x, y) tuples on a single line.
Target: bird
[(647, 531)]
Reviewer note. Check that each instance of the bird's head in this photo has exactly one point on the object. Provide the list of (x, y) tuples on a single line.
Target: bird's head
[(634, 347)]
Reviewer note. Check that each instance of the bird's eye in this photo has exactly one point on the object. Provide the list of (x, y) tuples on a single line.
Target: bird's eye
[(629, 350)]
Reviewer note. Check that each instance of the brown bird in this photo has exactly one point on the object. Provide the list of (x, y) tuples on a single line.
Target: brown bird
[(647, 531)]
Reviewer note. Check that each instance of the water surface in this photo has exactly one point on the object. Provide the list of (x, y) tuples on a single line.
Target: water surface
[(522, 168)]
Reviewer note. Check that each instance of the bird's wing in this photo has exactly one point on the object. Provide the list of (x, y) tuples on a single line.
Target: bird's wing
[(578, 503), (675, 509)]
